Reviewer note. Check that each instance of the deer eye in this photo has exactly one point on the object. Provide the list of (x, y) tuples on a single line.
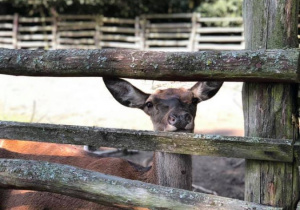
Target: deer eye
[(149, 104), (195, 100)]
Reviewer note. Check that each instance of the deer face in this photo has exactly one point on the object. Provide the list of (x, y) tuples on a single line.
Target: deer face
[(170, 109)]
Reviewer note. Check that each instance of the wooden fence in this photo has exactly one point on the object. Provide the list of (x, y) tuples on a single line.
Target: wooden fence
[(271, 150), (179, 32), (152, 65)]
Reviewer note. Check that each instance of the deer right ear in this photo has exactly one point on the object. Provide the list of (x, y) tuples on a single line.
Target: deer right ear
[(125, 93), (206, 90)]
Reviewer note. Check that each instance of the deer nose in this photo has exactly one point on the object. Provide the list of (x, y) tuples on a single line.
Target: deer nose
[(181, 120)]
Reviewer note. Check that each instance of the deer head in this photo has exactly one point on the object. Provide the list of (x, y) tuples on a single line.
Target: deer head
[(172, 109)]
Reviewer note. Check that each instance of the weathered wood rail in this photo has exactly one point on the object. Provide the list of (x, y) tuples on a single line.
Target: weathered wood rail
[(109, 190), (275, 65), (182, 143), (270, 104), (244, 65)]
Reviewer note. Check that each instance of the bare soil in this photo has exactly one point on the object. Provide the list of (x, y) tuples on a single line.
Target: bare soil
[(85, 101)]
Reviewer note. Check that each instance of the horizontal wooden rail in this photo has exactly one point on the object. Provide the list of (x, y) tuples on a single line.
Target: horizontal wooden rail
[(64, 46), (120, 38), (35, 19), (244, 65), (6, 17), (182, 143), (6, 40), (168, 35), (8, 46), (34, 44), (6, 25), (168, 42), (168, 16), (76, 33), (70, 24), (108, 190), (35, 28), (114, 29), (219, 19), (210, 30), (6, 33), (83, 17), (170, 26), (76, 41), (36, 37), (118, 20), (219, 38)]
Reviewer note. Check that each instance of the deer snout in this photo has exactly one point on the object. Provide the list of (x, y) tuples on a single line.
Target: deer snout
[(180, 121)]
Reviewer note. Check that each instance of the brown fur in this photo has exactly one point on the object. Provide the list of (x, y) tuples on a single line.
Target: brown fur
[(64, 154), (165, 104)]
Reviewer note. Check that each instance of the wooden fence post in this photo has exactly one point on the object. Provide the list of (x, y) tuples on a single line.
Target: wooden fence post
[(174, 170), (269, 107), (54, 32), (143, 32), (15, 31), (98, 32), (191, 46), (54, 27), (243, 46), (137, 33)]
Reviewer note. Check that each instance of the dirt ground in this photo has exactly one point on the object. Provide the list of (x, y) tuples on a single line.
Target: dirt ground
[(85, 101), (223, 176)]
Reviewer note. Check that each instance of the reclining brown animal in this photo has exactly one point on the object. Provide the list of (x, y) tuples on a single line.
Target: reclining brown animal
[(170, 110)]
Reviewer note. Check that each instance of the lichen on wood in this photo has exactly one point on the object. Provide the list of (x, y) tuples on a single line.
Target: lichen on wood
[(269, 107), (180, 143), (243, 65), (108, 190)]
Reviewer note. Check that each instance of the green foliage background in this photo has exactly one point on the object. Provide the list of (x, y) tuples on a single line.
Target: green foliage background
[(220, 8), (121, 8), (110, 8)]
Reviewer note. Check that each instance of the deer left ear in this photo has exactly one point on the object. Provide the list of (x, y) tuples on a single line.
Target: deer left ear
[(206, 90), (125, 93)]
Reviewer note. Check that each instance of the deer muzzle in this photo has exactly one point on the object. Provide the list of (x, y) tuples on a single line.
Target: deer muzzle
[(181, 121)]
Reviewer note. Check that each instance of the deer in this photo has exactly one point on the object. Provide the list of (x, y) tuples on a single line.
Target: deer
[(170, 110)]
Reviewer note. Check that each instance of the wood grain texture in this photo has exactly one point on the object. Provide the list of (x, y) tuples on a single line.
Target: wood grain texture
[(108, 190), (180, 143), (268, 107), (174, 170), (245, 65)]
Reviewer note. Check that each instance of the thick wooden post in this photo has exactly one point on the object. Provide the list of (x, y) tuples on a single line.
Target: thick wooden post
[(268, 107), (174, 170)]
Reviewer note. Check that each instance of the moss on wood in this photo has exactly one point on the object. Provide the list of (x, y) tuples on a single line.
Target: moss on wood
[(182, 143), (108, 190), (244, 65), (269, 107)]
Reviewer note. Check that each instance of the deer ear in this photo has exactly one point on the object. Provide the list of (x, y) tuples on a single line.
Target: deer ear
[(206, 90), (125, 93)]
